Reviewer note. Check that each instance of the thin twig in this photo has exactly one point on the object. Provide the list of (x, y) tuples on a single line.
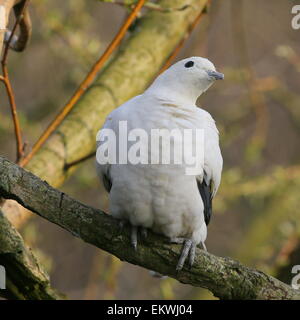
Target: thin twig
[(86, 83), (76, 162), (13, 108), (150, 5), (9, 90)]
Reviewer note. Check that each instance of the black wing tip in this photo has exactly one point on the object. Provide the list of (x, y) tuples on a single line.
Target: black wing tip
[(206, 195)]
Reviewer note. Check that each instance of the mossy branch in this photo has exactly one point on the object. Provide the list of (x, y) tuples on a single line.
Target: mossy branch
[(226, 278), (25, 278)]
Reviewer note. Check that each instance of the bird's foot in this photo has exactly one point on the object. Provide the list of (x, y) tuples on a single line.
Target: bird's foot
[(121, 224), (134, 233), (188, 250), (144, 232), (134, 237)]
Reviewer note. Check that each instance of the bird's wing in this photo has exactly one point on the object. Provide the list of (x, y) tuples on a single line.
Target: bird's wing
[(208, 183), (122, 113), (103, 170), (206, 195)]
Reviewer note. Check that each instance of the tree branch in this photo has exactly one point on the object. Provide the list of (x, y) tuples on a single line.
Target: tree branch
[(20, 10), (226, 278), (25, 278), (148, 5)]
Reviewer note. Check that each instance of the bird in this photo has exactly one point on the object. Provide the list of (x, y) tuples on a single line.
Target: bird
[(161, 196)]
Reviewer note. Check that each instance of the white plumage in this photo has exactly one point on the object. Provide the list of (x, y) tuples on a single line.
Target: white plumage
[(163, 197)]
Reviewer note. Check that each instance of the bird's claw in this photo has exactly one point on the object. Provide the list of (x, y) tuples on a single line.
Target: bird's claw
[(134, 233), (121, 224), (188, 250), (144, 232), (134, 237)]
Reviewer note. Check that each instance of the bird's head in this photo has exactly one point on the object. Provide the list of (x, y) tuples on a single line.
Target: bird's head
[(187, 79)]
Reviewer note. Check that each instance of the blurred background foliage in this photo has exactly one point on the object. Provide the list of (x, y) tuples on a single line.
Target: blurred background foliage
[(257, 209)]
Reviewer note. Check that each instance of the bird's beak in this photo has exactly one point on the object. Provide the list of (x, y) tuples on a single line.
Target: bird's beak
[(216, 75)]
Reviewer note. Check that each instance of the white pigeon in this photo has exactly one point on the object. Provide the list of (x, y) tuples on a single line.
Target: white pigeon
[(163, 197)]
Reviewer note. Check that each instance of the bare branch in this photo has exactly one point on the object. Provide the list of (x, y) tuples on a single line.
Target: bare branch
[(148, 5), (13, 109), (226, 278), (20, 9), (77, 162)]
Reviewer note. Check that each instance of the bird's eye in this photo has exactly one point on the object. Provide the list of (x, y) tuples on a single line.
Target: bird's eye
[(189, 64)]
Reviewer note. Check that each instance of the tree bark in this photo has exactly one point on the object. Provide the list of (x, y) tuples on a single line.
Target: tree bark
[(224, 277), (25, 278)]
